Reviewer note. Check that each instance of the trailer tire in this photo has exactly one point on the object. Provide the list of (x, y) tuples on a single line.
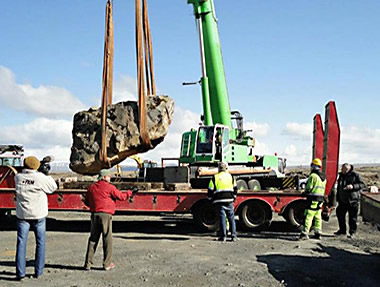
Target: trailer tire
[(254, 185), (205, 216), (241, 184), (3, 212), (295, 214), (255, 215)]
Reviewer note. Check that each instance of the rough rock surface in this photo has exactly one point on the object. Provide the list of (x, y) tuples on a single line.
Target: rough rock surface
[(123, 136)]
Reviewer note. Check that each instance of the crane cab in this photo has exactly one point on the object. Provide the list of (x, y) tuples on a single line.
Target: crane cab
[(211, 144)]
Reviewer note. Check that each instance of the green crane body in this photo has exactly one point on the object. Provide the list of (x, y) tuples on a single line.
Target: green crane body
[(216, 94), (216, 140)]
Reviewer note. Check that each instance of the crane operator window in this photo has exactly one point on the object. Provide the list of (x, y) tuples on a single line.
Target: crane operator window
[(205, 139)]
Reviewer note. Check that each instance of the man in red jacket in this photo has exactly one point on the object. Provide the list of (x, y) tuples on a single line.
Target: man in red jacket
[(101, 197)]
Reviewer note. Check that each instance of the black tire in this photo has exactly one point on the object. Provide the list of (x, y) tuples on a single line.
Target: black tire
[(3, 212), (255, 216), (295, 213), (241, 184), (254, 185), (205, 216)]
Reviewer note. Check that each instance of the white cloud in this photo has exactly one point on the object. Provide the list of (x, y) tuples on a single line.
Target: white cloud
[(299, 131), (44, 136), (48, 101), (41, 136), (261, 148), (60, 153), (290, 151), (258, 129), (183, 120), (357, 145), (360, 145), (299, 154), (124, 89)]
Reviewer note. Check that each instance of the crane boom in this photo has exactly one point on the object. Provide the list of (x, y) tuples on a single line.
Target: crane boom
[(214, 85), (217, 139)]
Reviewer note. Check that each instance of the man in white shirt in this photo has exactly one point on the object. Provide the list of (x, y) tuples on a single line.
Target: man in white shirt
[(32, 188)]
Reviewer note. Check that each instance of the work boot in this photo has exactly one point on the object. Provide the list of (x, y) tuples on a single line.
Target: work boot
[(318, 236), (351, 235), (303, 236), (87, 267), (340, 232), (109, 267), (234, 239)]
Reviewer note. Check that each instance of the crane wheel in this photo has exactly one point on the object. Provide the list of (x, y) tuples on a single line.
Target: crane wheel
[(254, 185), (241, 184), (255, 215), (205, 216)]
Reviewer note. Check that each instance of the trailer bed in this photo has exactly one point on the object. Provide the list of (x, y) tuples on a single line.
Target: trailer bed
[(370, 207), (156, 200)]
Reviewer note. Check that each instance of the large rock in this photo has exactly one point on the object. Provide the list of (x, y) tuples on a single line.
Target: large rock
[(123, 136)]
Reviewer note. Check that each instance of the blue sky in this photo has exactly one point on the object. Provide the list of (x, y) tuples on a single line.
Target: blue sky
[(284, 61)]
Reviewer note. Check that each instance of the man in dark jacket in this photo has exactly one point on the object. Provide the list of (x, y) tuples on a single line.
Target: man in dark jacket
[(101, 197), (349, 187)]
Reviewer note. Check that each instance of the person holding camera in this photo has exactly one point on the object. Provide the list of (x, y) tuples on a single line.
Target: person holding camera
[(32, 188), (100, 198)]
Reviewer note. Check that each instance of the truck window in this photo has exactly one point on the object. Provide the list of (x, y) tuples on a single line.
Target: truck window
[(17, 162), (6, 161), (226, 140), (205, 139)]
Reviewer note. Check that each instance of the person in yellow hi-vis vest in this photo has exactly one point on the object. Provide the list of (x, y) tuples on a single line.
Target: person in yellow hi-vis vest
[(314, 192), (222, 190)]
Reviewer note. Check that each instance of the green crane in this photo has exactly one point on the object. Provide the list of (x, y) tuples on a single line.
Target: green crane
[(217, 139)]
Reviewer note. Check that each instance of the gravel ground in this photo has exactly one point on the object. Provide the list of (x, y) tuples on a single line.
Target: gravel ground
[(168, 250)]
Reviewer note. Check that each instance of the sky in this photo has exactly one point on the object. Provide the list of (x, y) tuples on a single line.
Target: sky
[(284, 60)]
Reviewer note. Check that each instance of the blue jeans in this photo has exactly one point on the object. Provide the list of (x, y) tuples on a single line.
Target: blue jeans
[(39, 228), (222, 209)]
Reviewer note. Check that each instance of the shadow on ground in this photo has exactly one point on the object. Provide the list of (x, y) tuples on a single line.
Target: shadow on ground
[(335, 267), (164, 224), (11, 276)]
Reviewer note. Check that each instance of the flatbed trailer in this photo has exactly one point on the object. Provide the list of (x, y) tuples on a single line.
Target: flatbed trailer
[(370, 207), (255, 209)]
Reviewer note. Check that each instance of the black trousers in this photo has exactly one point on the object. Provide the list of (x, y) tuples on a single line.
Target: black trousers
[(352, 209)]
